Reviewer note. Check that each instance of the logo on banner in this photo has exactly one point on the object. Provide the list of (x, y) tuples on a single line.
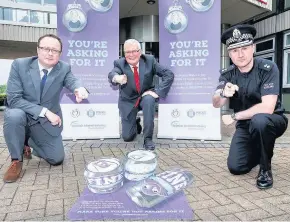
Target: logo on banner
[(75, 113), (176, 20), (91, 113), (200, 5), (100, 5), (175, 113), (191, 113), (74, 18)]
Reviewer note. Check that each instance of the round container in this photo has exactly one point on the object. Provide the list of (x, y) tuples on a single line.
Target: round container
[(104, 175), (140, 164)]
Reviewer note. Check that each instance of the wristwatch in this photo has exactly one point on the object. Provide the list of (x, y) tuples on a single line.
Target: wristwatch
[(234, 116)]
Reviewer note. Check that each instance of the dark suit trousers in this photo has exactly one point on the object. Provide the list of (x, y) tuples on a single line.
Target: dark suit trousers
[(44, 145), (129, 127), (253, 142)]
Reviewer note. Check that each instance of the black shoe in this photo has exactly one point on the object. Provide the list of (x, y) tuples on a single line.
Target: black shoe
[(139, 127), (149, 145), (265, 179)]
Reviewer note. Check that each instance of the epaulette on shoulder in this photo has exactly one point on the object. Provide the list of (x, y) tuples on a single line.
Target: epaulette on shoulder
[(226, 70), (266, 65)]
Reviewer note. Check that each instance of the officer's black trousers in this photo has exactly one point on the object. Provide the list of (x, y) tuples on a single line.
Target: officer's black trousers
[(253, 142)]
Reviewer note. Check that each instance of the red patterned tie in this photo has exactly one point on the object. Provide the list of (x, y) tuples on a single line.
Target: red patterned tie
[(137, 83)]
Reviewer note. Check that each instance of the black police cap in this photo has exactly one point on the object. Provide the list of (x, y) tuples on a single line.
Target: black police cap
[(238, 36)]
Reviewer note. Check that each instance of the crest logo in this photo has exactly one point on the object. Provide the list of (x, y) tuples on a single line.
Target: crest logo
[(75, 113), (237, 34), (175, 113)]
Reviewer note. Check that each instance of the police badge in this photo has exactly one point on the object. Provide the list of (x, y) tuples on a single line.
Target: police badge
[(200, 5), (74, 18), (176, 20), (100, 5), (237, 34)]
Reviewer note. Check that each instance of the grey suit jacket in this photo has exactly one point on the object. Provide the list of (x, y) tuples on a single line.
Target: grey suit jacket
[(23, 90), (148, 68)]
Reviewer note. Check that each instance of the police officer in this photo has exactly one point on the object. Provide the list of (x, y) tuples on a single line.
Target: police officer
[(252, 87)]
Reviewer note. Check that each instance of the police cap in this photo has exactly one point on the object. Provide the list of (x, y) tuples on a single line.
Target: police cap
[(238, 36)]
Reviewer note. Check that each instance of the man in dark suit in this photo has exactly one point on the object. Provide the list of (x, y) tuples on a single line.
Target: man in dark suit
[(135, 76), (33, 94)]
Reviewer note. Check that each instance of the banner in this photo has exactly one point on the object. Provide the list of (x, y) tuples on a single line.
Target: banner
[(189, 37), (89, 31)]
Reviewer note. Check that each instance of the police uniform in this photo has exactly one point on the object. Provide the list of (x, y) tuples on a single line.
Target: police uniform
[(254, 139)]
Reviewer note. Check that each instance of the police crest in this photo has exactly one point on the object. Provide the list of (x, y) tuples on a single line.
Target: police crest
[(237, 34), (176, 20), (200, 5), (100, 5), (74, 18)]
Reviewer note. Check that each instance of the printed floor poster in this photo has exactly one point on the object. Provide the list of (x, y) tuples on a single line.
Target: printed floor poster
[(189, 38), (118, 206), (90, 34)]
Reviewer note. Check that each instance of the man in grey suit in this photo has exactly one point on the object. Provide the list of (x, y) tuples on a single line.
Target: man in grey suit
[(135, 76), (33, 108)]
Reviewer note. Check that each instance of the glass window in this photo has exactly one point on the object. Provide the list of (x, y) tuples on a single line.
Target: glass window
[(52, 18), (22, 15), (286, 70), (287, 4), (38, 17), (287, 40), (1, 14), (29, 1), (9, 14), (49, 2), (264, 46)]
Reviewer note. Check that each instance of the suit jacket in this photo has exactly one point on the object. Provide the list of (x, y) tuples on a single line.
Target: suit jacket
[(23, 90), (148, 68)]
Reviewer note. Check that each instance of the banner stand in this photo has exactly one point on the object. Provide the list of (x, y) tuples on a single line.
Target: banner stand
[(91, 54)]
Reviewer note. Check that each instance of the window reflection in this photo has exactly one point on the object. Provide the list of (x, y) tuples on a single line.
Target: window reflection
[(287, 40), (53, 18), (21, 15), (38, 17), (287, 60), (1, 14), (50, 2), (287, 4), (27, 16), (29, 1)]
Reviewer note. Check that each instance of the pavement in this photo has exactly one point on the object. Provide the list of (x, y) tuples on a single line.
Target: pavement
[(47, 193)]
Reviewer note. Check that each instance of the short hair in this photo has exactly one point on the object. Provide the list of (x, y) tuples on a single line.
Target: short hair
[(50, 36), (133, 42)]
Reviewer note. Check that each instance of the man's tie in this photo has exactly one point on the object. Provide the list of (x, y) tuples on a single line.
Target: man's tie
[(43, 80), (137, 83)]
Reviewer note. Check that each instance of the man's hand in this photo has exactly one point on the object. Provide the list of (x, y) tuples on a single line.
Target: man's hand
[(228, 120), (151, 93), (121, 79), (53, 118), (230, 89), (81, 93)]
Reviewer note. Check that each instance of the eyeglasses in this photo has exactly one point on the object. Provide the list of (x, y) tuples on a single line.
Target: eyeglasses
[(131, 52), (47, 50)]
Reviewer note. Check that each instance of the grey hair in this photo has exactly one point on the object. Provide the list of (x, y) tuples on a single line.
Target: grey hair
[(133, 42)]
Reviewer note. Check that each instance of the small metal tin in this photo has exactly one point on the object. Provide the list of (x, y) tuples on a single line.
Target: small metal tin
[(104, 175), (140, 164)]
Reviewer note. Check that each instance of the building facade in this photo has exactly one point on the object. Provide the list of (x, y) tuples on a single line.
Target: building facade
[(273, 42)]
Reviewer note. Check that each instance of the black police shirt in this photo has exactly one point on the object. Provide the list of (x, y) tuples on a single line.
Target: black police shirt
[(261, 80)]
